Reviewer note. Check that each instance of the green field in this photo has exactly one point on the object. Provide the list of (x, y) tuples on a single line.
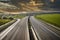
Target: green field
[(51, 18), (3, 21)]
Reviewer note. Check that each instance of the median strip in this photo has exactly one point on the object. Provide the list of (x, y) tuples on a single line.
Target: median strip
[(31, 31)]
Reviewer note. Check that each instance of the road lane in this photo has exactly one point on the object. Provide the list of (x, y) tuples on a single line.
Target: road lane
[(20, 32), (42, 30)]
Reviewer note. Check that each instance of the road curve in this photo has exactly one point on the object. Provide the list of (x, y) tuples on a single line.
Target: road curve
[(44, 31), (19, 32)]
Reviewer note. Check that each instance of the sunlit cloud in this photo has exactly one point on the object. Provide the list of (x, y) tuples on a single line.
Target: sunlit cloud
[(52, 0)]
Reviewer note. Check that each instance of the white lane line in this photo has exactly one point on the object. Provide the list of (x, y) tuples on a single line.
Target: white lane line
[(48, 29), (4, 33), (28, 37), (53, 26), (37, 35), (34, 31), (34, 34), (50, 24)]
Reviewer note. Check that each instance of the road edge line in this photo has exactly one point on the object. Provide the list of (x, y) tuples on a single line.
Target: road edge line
[(4, 33), (50, 24), (27, 31), (34, 34)]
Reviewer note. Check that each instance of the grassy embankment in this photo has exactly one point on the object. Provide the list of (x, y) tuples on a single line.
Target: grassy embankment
[(18, 16), (7, 20), (3, 21), (51, 18)]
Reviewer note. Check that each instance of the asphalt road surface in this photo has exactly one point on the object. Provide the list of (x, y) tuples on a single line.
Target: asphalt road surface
[(44, 31), (19, 32)]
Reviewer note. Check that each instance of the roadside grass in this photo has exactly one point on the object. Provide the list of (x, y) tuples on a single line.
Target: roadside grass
[(50, 18), (6, 21), (3, 21)]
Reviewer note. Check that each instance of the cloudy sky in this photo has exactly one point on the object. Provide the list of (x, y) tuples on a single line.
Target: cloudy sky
[(17, 1), (23, 0)]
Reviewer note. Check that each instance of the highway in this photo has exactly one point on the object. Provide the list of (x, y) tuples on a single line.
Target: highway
[(19, 32), (40, 30), (44, 31)]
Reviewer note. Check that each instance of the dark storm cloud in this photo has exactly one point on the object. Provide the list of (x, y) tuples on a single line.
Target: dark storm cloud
[(16, 2), (23, 0), (20, 0)]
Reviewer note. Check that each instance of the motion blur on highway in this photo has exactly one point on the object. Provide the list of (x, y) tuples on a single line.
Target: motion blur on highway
[(29, 19)]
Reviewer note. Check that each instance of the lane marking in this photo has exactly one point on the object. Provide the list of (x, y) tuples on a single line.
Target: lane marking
[(4, 33), (46, 28), (27, 31), (34, 34)]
